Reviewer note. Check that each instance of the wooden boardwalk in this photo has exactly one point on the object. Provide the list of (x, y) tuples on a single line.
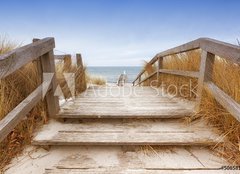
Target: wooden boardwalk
[(124, 102), (108, 129), (129, 117)]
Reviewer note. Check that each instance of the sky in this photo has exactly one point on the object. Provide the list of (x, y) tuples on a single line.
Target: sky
[(119, 32)]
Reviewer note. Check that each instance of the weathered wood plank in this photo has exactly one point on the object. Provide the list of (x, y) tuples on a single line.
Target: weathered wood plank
[(61, 57), (19, 57), (161, 113), (222, 49), (160, 66), (48, 66), (131, 132), (225, 100), (9, 122), (205, 74), (148, 103), (79, 60), (180, 73), (148, 77), (137, 171), (158, 158)]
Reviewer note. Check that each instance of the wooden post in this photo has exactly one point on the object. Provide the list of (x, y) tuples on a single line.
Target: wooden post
[(38, 64), (67, 60), (47, 65), (205, 74), (160, 64), (81, 69), (79, 60)]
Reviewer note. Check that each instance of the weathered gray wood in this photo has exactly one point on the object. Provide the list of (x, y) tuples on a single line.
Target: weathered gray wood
[(209, 67), (48, 66), (225, 100), (179, 49), (38, 63), (137, 102), (19, 57), (66, 58), (151, 160), (61, 57), (163, 113), (81, 69), (79, 60), (205, 74), (147, 78), (180, 73), (136, 171), (222, 49), (9, 122), (160, 66), (128, 132)]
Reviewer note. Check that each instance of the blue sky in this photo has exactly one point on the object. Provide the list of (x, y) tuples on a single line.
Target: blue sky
[(119, 32)]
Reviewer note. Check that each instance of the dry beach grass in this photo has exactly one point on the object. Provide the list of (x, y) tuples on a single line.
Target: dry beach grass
[(227, 76), (17, 86)]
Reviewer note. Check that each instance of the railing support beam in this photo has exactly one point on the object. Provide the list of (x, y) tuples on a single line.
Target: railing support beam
[(160, 66), (205, 75)]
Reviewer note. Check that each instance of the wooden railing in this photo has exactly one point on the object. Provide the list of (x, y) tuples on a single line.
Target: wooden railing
[(42, 52), (67, 59), (209, 48)]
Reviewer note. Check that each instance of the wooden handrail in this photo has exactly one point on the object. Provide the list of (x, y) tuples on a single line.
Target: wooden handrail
[(15, 59), (42, 51), (10, 121), (222, 49), (224, 99), (210, 48)]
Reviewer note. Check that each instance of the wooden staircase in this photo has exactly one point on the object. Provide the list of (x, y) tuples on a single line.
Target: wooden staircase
[(119, 124), (127, 117)]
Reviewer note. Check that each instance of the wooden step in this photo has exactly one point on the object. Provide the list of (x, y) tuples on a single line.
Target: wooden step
[(141, 160), (136, 171), (126, 132), (119, 113), (109, 103)]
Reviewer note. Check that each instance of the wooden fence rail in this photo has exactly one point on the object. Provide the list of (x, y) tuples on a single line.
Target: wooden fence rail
[(210, 48), (41, 50)]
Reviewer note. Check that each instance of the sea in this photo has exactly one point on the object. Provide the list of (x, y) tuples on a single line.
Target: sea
[(112, 73)]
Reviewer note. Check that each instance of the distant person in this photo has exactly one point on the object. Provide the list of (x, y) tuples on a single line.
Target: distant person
[(122, 79)]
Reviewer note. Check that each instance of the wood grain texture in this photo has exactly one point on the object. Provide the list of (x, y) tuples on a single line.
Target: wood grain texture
[(136, 171), (19, 57), (61, 57), (163, 160), (225, 100), (146, 78), (180, 73), (48, 66), (9, 122), (127, 132), (202, 72), (222, 49), (124, 102)]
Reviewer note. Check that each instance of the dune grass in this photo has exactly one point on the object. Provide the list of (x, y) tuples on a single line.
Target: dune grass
[(17, 86), (227, 76), (95, 79), (79, 74), (13, 89)]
